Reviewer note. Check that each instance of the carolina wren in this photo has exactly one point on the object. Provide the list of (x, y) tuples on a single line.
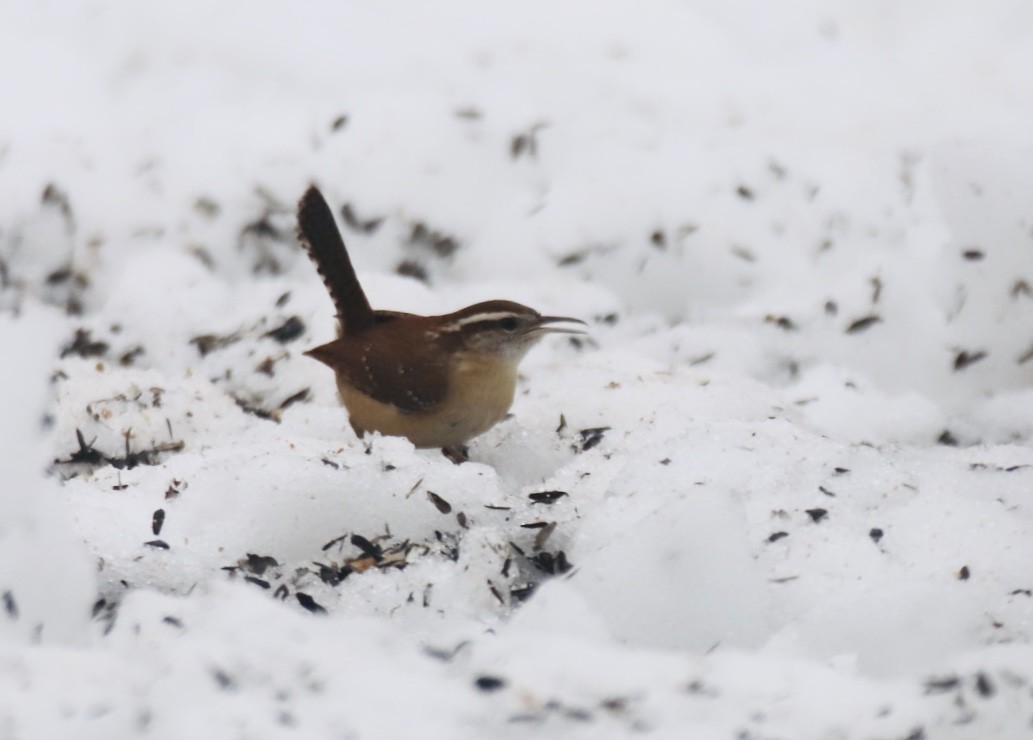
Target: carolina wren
[(437, 380)]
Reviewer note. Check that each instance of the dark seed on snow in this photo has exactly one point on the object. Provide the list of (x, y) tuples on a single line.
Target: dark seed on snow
[(439, 503), (546, 497), (288, 331), (489, 683), (984, 686), (258, 564), (964, 358), (941, 684), (309, 604), (863, 323), (367, 547), (817, 515), (10, 605), (591, 437), (223, 679), (157, 520)]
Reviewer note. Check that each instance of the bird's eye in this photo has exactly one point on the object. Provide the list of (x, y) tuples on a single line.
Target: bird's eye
[(509, 323)]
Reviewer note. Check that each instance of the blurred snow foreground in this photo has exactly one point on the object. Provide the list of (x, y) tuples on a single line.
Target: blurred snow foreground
[(783, 490)]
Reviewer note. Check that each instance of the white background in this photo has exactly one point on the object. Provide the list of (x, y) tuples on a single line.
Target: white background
[(801, 233)]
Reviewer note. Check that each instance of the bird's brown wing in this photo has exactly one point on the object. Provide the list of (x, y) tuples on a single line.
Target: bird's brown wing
[(390, 367)]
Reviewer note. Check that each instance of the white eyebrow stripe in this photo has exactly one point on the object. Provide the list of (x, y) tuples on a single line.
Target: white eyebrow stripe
[(493, 316)]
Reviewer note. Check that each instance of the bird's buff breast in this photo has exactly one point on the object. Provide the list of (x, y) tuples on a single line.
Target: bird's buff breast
[(481, 392)]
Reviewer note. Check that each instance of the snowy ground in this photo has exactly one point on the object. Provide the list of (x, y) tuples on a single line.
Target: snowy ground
[(783, 490)]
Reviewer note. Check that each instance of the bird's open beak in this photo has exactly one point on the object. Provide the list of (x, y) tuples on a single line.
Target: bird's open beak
[(542, 327)]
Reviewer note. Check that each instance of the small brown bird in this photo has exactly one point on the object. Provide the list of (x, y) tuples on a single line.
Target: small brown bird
[(437, 380)]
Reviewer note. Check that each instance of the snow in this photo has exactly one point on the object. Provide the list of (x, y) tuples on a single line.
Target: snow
[(782, 489)]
